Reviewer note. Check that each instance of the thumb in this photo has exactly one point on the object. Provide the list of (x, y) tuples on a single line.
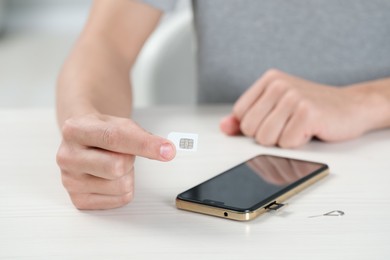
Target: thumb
[(230, 125), (151, 146)]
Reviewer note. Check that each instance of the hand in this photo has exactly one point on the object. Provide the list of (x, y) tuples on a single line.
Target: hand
[(97, 156), (280, 109)]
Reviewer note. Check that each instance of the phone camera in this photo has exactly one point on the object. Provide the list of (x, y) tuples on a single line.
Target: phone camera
[(225, 214)]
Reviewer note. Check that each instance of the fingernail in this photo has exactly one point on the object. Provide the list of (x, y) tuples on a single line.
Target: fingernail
[(167, 151)]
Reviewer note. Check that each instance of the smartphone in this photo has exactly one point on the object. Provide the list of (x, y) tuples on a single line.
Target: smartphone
[(251, 188)]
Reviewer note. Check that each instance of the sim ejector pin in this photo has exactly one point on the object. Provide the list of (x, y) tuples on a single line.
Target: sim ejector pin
[(333, 213)]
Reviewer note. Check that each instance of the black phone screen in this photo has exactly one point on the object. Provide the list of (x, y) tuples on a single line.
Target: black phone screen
[(249, 185)]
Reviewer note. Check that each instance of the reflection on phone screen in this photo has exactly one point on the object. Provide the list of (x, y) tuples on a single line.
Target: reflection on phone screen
[(253, 182)]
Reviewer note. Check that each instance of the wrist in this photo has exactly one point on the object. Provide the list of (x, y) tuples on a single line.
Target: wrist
[(371, 103), (86, 91)]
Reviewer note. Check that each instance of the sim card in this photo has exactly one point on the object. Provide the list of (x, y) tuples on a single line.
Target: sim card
[(184, 141)]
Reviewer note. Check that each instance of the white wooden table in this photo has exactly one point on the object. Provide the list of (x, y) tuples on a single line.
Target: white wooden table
[(38, 221)]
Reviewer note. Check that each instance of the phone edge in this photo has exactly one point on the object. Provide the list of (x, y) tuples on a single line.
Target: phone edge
[(246, 216)]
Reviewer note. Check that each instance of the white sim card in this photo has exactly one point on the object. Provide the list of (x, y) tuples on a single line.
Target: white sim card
[(184, 141)]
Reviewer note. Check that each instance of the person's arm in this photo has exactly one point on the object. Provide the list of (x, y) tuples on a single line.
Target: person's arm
[(287, 111), (95, 77), (100, 141)]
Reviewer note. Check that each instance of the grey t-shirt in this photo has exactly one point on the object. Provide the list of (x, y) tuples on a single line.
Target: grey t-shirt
[(336, 42)]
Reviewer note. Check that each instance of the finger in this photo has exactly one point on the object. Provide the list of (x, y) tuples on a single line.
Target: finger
[(270, 130), (98, 201), (248, 99), (297, 131), (119, 135), (230, 125), (87, 184), (94, 161), (255, 116)]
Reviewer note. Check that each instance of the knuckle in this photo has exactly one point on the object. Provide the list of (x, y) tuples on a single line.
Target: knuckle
[(110, 136), (289, 143), (272, 74), (303, 108), (67, 156), (284, 143), (291, 97), (62, 157), (278, 86), (80, 201), (119, 165), (126, 198), (247, 129), (69, 183), (69, 129), (125, 185), (66, 180), (261, 138)]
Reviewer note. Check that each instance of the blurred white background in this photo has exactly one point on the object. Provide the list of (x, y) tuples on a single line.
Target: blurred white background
[(36, 36)]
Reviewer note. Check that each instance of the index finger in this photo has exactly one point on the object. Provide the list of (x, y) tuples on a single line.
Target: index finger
[(248, 99), (119, 135)]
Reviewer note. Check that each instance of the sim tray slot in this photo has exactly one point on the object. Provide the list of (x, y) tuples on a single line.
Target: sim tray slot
[(274, 206)]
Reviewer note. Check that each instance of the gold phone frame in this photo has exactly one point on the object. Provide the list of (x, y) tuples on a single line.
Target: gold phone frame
[(245, 216)]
